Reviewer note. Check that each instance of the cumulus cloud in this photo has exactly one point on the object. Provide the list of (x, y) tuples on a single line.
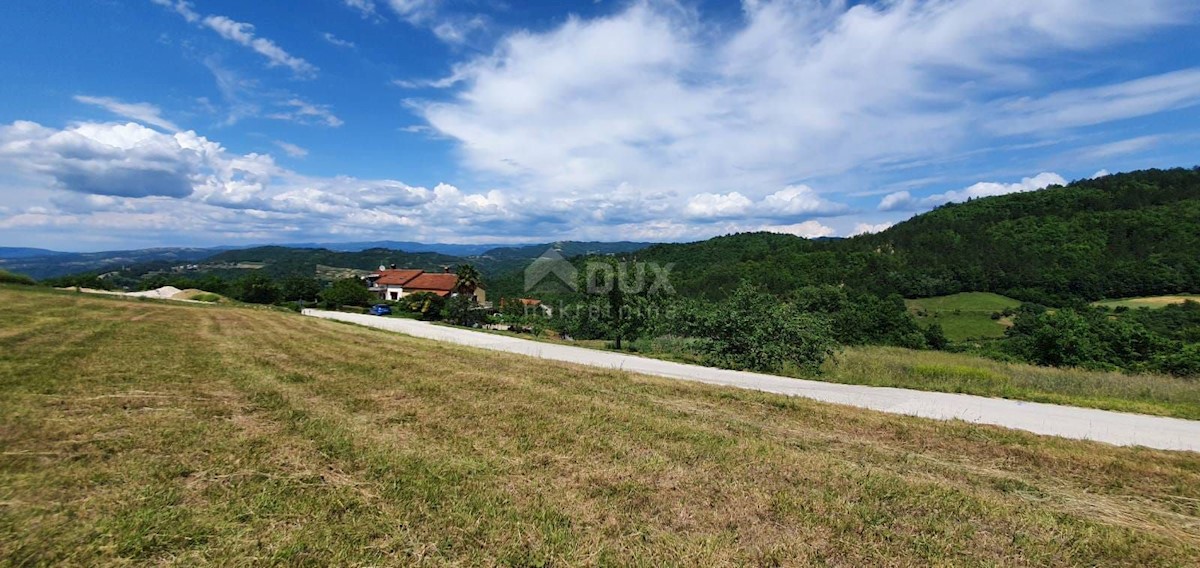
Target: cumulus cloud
[(125, 160), (905, 201), (144, 113), (797, 200), (799, 90), (717, 206), (125, 176), (1100, 174), (791, 202), (807, 229), (866, 228)]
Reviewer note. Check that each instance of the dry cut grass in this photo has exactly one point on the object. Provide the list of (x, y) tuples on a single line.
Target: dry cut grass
[(184, 434)]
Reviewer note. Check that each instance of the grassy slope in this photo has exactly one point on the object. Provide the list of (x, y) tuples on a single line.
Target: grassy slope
[(186, 434), (1149, 301), (964, 316), (953, 372)]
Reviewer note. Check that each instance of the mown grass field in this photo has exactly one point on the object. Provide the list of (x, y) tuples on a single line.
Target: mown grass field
[(964, 316), (170, 433), (1151, 302)]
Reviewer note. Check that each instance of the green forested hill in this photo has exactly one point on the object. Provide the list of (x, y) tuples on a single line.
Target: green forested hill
[(286, 261), (1122, 235)]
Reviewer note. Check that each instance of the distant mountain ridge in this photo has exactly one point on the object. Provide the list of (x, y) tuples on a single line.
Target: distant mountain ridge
[(21, 252), (299, 258)]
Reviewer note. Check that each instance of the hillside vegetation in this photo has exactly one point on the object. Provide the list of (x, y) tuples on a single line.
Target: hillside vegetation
[(1123, 235), (153, 433)]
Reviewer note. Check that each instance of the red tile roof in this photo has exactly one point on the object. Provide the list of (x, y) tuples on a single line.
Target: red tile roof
[(440, 284), (397, 277)]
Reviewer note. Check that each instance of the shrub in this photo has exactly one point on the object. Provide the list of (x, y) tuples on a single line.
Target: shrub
[(256, 289), (755, 331), (1184, 363), (935, 337), (347, 292), (460, 310)]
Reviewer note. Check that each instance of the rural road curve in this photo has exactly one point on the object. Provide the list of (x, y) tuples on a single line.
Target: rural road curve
[(1068, 422)]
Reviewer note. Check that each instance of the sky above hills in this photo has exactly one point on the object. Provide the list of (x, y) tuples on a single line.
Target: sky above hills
[(168, 122)]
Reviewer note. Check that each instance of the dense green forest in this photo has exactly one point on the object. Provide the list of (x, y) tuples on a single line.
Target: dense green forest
[(1121, 235)]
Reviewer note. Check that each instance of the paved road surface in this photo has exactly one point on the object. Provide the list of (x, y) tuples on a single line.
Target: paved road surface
[(1069, 422)]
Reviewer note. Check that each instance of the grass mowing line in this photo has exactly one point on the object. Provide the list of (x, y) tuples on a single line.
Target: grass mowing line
[(530, 462)]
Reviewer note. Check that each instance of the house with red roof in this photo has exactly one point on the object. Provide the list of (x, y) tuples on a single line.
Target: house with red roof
[(395, 283)]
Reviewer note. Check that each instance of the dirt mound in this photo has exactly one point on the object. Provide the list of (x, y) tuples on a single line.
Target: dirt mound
[(166, 292)]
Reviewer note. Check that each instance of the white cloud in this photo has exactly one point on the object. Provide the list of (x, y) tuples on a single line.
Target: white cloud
[(1125, 147), (291, 149), (716, 206), (807, 229), (791, 202), (415, 11), (653, 97), (144, 113), (458, 30), (181, 7), (307, 113), (866, 228), (1100, 174), (337, 41), (365, 7), (1096, 105), (451, 28), (126, 160), (796, 200), (243, 34), (122, 178), (898, 201), (904, 201)]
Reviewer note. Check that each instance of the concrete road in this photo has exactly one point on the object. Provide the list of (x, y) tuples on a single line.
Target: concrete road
[(1069, 422)]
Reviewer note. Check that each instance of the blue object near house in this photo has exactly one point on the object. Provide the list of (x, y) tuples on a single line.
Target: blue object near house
[(381, 310)]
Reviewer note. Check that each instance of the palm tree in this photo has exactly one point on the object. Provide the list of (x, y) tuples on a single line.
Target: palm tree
[(468, 280)]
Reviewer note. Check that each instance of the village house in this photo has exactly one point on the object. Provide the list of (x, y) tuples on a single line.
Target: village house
[(395, 283)]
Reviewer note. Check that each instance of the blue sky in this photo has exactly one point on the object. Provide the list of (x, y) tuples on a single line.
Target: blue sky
[(166, 122)]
